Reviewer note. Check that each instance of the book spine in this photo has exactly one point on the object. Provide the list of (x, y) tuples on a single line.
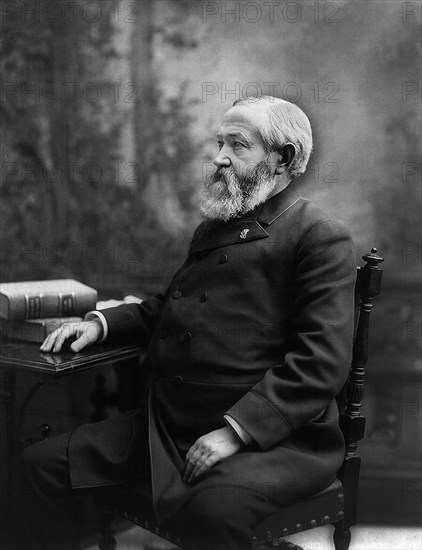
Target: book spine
[(66, 304), (33, 306), (37, 306)]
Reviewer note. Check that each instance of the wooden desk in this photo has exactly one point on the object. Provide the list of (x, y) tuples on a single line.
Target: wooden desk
[(17, 357)]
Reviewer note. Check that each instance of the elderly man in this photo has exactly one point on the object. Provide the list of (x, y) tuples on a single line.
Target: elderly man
[(247, 351)]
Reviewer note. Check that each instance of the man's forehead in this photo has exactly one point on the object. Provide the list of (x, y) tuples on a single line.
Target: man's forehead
[(244, 118)]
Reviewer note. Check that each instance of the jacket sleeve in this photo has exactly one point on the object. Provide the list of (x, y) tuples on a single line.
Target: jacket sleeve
[(133, 322), (314, 370)]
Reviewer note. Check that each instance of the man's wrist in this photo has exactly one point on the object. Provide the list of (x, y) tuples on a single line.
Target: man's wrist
[(99, 318), (233, 437), (237, 429)]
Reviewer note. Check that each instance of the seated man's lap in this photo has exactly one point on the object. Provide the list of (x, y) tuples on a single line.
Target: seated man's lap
[(220, 511)]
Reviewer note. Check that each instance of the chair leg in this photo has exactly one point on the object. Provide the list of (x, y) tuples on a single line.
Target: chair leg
[(107, 540), (341, 537)]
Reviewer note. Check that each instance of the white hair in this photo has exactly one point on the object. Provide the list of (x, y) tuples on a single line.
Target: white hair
[(287, 123)]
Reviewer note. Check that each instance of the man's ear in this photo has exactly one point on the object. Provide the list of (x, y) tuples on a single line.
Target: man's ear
[(287, 155)]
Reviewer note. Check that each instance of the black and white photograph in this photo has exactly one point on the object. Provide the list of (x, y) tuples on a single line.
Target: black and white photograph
[(210, 267)]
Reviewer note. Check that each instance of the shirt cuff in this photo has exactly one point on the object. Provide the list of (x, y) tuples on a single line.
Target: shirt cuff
[(91, 314), (241, 432)]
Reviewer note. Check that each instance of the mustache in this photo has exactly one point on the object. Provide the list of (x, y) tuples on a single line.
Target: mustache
[(225, 172), (223, 180), (221, 173)]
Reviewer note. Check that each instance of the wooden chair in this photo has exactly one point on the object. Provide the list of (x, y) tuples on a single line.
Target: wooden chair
[(334, 505)]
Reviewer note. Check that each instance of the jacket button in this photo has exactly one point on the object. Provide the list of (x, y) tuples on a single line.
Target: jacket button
[(223, 258), (203, 297), (162, 334), (187, 336), (177, 294), (178, 379)]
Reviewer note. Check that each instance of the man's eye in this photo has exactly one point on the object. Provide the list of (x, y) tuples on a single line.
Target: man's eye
[(238, 144), (220, 145)]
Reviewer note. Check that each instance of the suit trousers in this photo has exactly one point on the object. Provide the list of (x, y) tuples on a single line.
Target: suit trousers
[(53, 512)]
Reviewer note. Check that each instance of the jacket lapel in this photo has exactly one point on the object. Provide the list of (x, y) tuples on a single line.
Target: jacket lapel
[(217, 234), (214, 234)]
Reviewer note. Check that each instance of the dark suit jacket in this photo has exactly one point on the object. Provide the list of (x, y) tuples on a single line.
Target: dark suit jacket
[(257, 324)]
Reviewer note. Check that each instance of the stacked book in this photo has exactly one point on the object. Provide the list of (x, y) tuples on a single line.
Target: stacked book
[(31, 310)]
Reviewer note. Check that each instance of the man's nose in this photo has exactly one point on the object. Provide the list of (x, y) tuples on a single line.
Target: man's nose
[(222, 159)]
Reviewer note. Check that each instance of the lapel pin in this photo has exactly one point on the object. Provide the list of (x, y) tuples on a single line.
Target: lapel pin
[(244, 233)]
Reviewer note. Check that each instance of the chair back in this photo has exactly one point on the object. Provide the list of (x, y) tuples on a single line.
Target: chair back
[(352, 423)]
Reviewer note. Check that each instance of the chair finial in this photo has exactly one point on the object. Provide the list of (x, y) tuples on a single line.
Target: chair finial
[(373, 258)]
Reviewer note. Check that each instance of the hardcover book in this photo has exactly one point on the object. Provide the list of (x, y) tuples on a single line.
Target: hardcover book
[(40, 299), (34, 330)]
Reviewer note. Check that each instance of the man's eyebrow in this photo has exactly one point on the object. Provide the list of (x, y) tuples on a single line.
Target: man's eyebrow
[(235, 135)]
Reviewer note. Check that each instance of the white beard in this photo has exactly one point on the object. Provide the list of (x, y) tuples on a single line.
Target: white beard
[(227, 195)]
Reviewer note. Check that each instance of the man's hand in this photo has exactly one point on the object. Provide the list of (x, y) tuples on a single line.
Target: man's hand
[(208, 450), (86, 332)]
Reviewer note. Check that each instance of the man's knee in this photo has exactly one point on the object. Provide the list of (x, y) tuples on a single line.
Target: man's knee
[(46, 461), (33, 458), (36, 457)]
